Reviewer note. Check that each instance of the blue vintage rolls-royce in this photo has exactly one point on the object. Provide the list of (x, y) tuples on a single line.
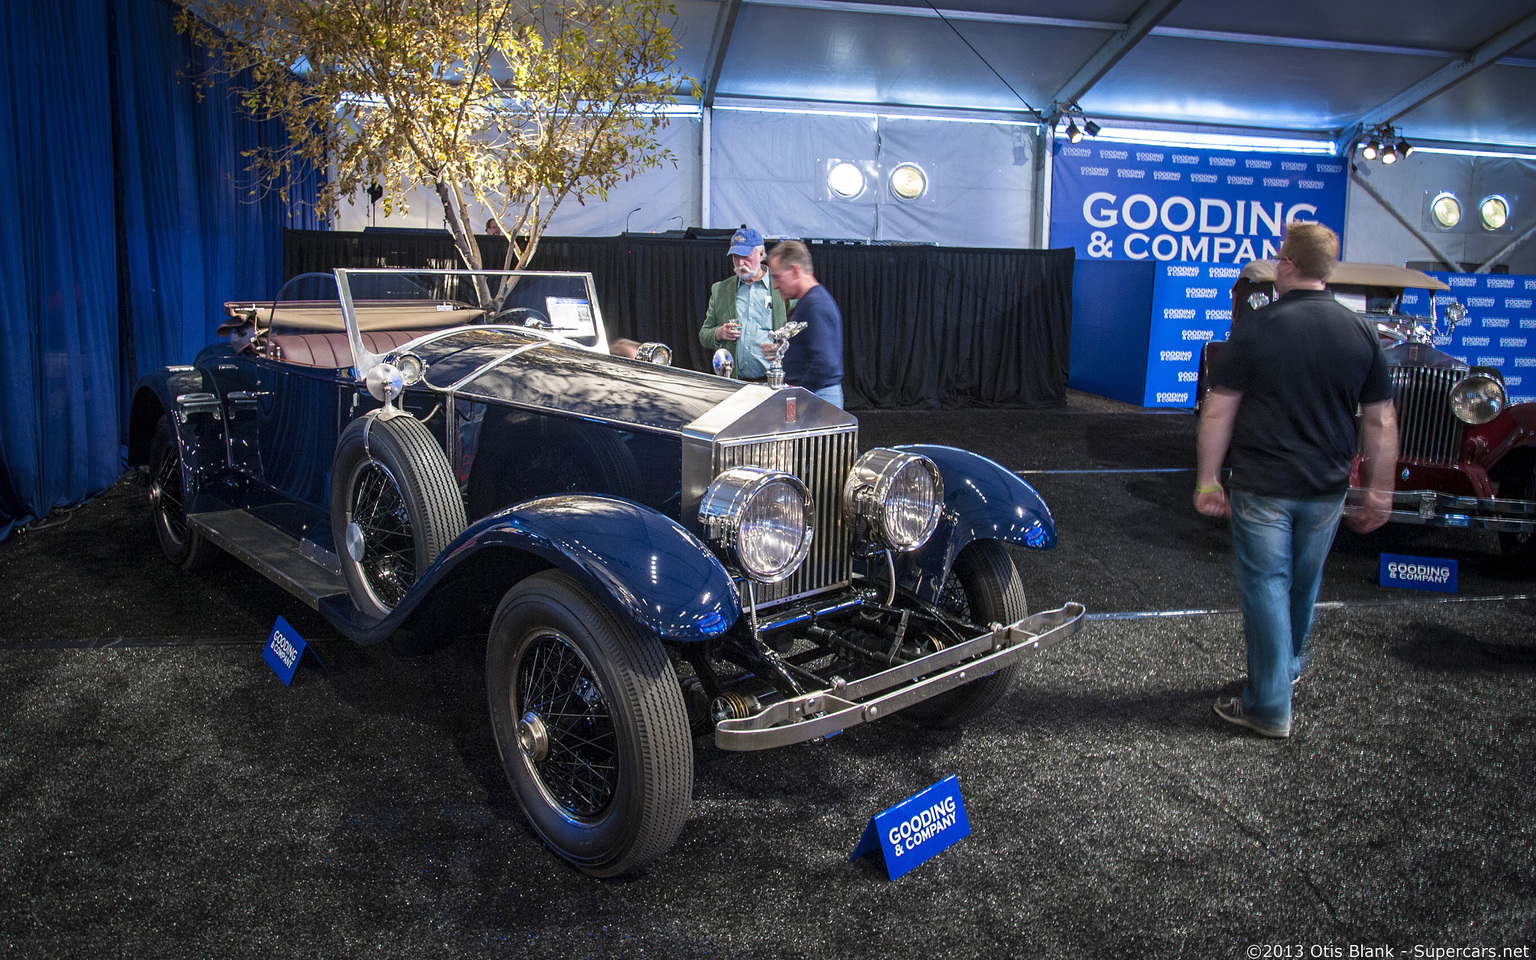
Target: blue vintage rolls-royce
[(651, 553)]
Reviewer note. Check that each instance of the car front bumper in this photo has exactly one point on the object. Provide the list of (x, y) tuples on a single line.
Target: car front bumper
[(827, 712), (1435, 509)]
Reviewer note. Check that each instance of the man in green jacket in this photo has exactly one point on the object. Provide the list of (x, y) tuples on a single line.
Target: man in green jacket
[(744, 308)]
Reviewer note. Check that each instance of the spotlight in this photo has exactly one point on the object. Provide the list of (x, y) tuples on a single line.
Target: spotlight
[(1446, 209), (1073, 134), (1494, 211), (845, 180), (908, 181), (1404, 149), (1389, 154), (1092, 128), (1371, 149)]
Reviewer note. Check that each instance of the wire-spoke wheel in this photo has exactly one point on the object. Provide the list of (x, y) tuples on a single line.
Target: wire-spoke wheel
[(381, 524), (394, 507), (565, 730), (590, 723), (181, 544), (983, 587)]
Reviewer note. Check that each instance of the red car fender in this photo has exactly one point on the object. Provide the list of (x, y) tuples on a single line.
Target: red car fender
[(1486, 445)]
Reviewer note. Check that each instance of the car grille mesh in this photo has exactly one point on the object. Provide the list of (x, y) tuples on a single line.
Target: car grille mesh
[(822, 462), (1427, 430)]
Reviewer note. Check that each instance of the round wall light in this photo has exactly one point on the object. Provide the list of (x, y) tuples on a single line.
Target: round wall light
[(908, 181), (1446, 209), (1495, 212), (845, 180)]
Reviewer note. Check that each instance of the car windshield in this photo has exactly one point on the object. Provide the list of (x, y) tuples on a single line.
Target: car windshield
[(558, 304)]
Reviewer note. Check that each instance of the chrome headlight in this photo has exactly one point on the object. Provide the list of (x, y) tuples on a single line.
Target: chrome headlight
[(762, 518), (657, 353), (1478, 398), (411, 368), (1258, 299), (899, 495)]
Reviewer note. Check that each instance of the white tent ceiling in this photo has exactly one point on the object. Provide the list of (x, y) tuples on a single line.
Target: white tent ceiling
[(1455, 73)]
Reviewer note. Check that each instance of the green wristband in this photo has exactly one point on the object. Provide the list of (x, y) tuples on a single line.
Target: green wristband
[(1213, 488)]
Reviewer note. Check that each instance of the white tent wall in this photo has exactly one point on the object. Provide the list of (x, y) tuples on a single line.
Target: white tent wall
[(1374, 234), (770, 171), (662, 195), (981, 182)]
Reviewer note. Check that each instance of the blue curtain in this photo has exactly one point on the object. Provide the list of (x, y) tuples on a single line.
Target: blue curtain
[(59, 379), (128, 219)]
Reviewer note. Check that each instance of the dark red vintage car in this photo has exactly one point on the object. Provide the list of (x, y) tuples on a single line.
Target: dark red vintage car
[(1466, 455)]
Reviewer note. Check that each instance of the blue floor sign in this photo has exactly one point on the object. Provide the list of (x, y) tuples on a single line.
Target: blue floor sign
[(916, 829), (283, 650), (1418, 573)]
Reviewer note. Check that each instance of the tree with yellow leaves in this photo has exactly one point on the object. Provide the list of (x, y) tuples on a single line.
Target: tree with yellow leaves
[(510, 105)]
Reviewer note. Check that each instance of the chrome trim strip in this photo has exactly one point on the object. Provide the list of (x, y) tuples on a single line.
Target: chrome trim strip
[(452, 446), (1434, 509), (490, 365), (433, 335), (833, 710)]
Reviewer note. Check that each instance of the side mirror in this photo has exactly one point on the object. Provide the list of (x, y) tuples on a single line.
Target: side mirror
[(724, 363)]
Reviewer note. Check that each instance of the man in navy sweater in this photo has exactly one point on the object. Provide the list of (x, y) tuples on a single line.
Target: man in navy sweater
[(814, 358)]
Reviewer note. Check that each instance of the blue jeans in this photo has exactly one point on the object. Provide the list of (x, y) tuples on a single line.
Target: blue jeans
[(832, 394), (1278, 549)]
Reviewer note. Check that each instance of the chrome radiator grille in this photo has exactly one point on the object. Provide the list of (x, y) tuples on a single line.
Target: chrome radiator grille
[(1427, 430), (822, 461)]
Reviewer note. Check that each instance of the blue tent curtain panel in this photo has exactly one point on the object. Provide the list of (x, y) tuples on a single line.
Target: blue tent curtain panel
[(128, 219), (58, 321)]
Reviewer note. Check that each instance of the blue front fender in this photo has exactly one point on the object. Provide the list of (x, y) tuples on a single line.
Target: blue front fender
[(643, 562), (983, 500)]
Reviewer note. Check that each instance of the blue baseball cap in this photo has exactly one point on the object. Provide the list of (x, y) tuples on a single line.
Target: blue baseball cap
[(744, 241)]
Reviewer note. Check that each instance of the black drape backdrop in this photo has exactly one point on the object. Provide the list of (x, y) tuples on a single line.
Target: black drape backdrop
[(924, 327)]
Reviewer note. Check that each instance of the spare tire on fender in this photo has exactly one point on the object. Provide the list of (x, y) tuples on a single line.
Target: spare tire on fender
[(394, 506)]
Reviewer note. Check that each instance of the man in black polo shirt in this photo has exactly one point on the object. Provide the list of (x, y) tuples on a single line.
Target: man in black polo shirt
[(1281, 411)]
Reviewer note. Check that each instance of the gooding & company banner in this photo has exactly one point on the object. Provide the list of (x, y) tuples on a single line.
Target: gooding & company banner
[(1191, 304), (1126, 202), (1500, 328), (1201, 214)]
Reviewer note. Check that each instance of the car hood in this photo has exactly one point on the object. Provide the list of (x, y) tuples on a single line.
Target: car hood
[(523, 369)]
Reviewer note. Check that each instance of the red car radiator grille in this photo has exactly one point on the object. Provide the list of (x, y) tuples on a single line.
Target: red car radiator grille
[(1427, 430)]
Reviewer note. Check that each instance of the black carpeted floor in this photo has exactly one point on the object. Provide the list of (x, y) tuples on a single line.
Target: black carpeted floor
[(163, 795)]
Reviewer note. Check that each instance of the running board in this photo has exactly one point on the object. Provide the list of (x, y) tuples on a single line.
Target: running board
[(271, 553)]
